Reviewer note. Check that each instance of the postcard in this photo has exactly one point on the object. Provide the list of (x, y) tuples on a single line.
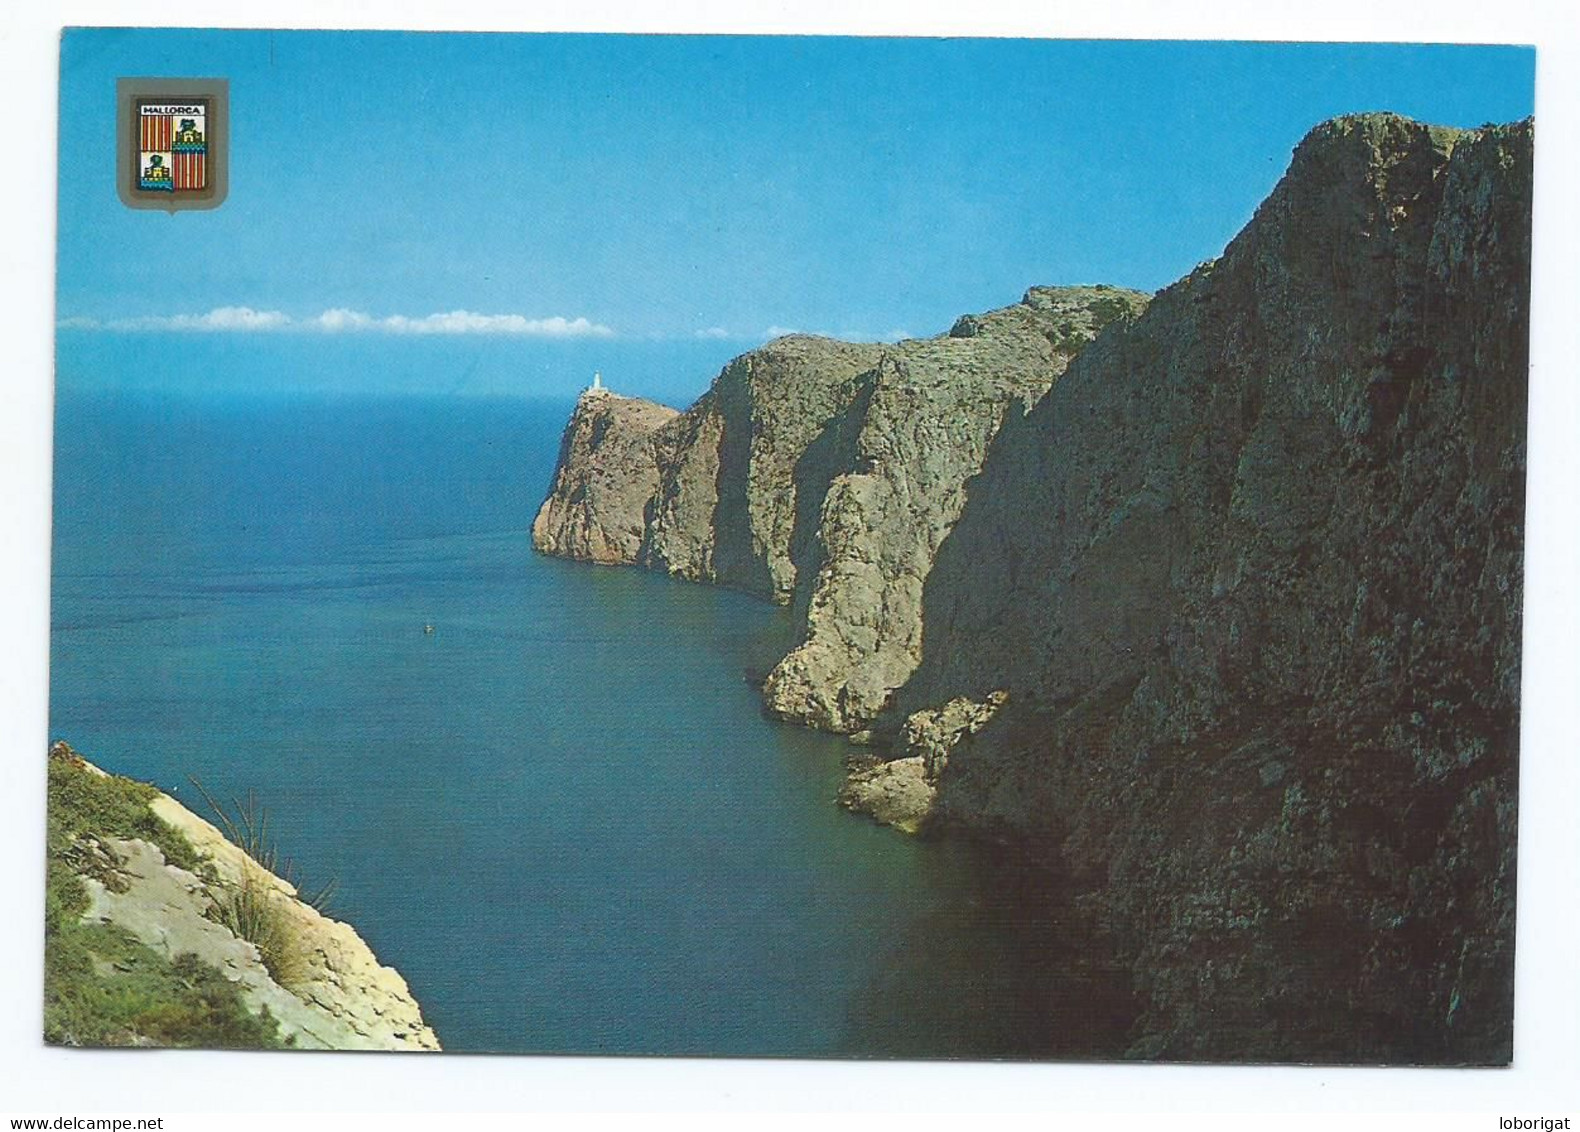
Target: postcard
[(788, 546)]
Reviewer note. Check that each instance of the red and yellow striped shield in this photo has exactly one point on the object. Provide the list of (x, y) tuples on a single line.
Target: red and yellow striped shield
[(172, 143), (157, 130), (187, 170)]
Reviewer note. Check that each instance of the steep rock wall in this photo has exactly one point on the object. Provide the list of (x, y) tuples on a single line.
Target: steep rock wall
[(729, 501), (821, 474), (899, 469), (607, 473), (1227, 625), (1248, 584)]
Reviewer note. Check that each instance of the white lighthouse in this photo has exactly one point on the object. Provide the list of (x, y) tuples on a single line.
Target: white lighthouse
[(597, 385)]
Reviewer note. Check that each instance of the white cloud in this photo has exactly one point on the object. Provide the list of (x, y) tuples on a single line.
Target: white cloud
[(343, 320), (237, 318), (340, 319), (469, 322), (220, 318)]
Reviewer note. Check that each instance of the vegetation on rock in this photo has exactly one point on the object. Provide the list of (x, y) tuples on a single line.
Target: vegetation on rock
[(101, 986), (254, 907), (162, 931)]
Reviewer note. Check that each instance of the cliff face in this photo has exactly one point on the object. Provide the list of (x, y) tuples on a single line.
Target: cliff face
[(1248, 583), (731, 490), (148, 887), (821, 474), (607, 473), (1224, 621), (891, 479)]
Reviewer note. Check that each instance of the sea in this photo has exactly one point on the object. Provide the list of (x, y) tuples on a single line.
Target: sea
[(561, 814)]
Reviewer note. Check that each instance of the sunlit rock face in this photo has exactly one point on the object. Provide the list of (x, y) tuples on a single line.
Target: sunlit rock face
[(819, 474)]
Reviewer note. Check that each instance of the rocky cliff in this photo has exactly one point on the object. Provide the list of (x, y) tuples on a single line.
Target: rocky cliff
[(820, 474), (1246, 586), (164, 932), (607, 474), (1219, 613)]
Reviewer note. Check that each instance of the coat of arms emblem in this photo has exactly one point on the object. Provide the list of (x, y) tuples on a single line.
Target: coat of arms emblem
[(172, 142), (172, 154)]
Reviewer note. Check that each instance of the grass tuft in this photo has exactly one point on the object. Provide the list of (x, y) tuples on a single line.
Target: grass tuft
[(254, 909), (104, 988)]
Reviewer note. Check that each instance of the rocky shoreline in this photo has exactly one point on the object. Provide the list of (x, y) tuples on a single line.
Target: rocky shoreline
[(822, 475), (1214, 595)]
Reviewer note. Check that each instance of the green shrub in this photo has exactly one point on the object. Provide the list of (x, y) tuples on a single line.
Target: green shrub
[(102, 987), (1108, 309), (81, 801)]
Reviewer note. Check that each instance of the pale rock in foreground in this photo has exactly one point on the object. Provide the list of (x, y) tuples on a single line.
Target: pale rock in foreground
[(344, 999)]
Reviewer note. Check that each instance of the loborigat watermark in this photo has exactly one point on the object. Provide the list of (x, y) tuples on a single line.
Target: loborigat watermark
[(1538, 1123)]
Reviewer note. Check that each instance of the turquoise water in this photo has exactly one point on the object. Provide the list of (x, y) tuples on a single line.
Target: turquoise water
[(562, 814)]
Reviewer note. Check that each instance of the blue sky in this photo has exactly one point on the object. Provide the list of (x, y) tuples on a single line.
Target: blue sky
[(568, 198)]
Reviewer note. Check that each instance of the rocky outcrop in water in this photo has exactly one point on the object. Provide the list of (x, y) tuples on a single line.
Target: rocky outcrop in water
[(607, 474), (820, 474)]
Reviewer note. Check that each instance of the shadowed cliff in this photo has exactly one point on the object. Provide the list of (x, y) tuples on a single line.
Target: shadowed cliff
[(1218, 614), (1248, 584)]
